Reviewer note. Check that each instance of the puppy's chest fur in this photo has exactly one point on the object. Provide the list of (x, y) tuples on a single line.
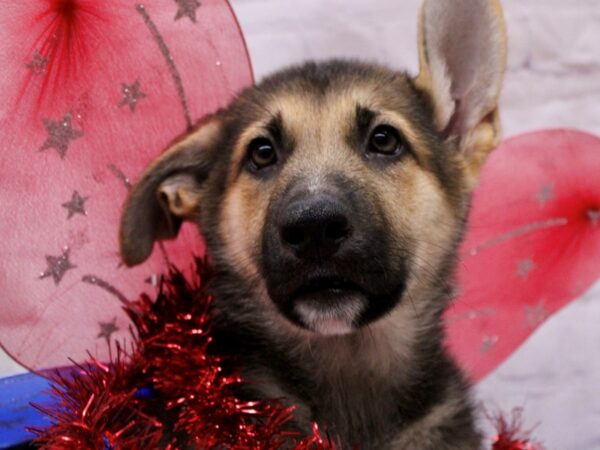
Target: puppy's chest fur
[(363, 390)]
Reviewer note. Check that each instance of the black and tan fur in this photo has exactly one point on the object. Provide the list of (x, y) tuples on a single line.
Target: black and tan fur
[(385, 382)]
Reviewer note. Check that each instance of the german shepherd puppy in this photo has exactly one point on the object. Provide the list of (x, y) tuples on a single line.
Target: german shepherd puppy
[(333, 197)]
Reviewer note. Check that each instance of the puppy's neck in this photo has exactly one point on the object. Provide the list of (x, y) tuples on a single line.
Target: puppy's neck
[(374, 351)]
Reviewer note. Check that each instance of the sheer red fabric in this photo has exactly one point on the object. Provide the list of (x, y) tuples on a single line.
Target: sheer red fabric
[(533, 243), (91, 92)]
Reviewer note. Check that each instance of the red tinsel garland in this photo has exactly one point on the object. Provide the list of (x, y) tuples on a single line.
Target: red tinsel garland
[(511, 435), (168, 392)]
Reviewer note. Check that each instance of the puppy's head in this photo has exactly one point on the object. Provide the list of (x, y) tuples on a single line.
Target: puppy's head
[(337, 191)]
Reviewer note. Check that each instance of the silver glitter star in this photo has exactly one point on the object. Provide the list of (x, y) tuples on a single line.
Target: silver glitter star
[(534, 315), (60, 134), (38, 63), (76, 205), (545, 194), (594, 216), (131, 94), (107, 329), (57, 267), (187, 8), (487, 343), (524, 267)]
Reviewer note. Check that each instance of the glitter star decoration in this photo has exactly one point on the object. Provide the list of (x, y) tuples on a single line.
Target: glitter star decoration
[(524, 267), (545, 194), (534, 315), (60, 134), (76, 205), (131, 94), (487, 343), (107, 329), (57, 267), (187, 8), (38, 63)]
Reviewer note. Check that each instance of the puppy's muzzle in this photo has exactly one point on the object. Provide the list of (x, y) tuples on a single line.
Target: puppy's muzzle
[(325, 256)]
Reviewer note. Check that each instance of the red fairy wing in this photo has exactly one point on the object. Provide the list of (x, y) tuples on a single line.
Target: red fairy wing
[(91, 93), (533, 244)]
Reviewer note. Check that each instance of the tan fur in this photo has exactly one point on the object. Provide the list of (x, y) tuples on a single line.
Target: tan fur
[(244, 211)]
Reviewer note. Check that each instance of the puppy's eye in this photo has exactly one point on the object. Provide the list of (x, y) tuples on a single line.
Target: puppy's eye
[(385, 140), (261, 153)]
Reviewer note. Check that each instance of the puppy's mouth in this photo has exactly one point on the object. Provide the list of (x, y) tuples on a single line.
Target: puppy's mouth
[(329, 305)]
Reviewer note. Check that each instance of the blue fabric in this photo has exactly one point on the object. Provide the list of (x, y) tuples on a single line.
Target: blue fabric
[(16, 413)]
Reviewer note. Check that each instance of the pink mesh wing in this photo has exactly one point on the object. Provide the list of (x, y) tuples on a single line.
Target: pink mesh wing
[(92, 91), (533, 243)]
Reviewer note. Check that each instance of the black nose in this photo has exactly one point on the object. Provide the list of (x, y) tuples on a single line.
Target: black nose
[(314, 227)]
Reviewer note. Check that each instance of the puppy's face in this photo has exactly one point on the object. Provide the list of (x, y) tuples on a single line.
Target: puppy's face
[(337, 192)]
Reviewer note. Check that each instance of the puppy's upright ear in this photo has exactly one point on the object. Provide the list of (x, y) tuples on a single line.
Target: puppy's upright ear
[(462, 53), (169, 192)]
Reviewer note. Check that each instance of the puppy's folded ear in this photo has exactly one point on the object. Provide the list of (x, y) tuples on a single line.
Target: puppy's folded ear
[(169, 192), (462, 52)]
